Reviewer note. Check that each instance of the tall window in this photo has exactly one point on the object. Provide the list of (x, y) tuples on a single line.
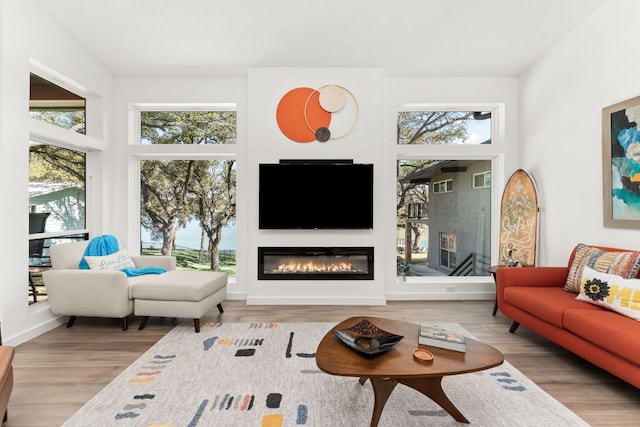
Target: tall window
[(443, 205), (188, 205), (57, 179)]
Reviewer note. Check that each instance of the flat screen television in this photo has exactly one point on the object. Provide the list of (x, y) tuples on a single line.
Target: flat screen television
[(316, 194)]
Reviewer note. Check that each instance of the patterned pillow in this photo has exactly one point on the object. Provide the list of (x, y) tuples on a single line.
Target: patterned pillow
[(611, 291), (116, 261), (624, 264)]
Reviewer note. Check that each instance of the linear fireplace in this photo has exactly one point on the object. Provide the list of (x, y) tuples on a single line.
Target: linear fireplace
[(315, 263)]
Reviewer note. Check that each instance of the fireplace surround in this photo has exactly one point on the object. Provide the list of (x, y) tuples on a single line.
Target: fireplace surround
[(315, 263)]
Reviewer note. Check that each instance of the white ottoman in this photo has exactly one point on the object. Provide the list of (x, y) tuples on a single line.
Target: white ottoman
[(179, 293)]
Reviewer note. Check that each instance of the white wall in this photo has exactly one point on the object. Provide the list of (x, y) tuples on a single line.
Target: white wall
[(28, 36), (562, 96), (365, 144)]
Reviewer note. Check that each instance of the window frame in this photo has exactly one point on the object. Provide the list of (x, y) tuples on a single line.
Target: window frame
[(485, 174), (495, 152), (446, 183), (87, 143), (446, 237), (138, 152)]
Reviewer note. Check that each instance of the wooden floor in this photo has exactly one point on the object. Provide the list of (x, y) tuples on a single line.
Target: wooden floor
[(56, 373)]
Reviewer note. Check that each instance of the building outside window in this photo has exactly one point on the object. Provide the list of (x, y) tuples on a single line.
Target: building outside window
[(456, 209)]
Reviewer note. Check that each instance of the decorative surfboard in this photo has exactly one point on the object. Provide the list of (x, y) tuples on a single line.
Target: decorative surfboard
[(519, 218)]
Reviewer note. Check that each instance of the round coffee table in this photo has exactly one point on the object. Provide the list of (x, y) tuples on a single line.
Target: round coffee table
[(397, 365)]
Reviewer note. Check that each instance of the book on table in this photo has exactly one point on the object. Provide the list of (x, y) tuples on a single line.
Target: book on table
[(438, 336)]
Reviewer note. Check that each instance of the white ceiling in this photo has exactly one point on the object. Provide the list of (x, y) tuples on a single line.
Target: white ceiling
[(406, 38)]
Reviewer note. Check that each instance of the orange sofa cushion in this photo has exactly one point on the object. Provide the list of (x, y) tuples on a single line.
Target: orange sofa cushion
[(548, 304), (609, 330)]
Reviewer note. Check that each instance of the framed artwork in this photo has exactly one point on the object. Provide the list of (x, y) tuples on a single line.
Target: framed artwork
[(621, 164)]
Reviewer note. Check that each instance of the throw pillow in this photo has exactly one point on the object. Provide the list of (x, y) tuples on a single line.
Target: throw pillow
[(624, 264), (116, 261), (611, 291)]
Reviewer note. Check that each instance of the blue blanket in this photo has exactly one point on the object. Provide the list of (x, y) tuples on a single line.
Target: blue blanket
[(107, 245)]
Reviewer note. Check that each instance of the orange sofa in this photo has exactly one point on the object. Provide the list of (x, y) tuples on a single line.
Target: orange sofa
[(535, 297)]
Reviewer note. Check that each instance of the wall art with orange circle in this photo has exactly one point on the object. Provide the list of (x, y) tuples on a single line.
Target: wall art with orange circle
[(304, 114)]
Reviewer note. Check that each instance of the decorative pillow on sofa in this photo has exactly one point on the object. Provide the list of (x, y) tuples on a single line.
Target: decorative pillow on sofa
[(116, 261), (623, 264), (611, 291)]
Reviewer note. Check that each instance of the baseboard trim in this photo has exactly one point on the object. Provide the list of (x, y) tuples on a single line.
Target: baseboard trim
[(310, 300), (37, 330), (439, 296)]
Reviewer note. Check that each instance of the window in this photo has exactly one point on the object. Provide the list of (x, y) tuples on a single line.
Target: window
[(432, 231), (188, 127), (448, 250), (188, 204), (55, 105), (444, 127), (443, 186), (57, 179), (482, 180)]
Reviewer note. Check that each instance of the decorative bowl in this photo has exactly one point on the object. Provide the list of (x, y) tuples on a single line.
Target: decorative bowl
[(367, 338)]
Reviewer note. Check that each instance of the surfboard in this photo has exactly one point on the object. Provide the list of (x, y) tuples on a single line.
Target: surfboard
[(519, 219)]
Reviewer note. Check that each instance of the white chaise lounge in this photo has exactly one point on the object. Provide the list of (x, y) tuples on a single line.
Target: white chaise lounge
[(75, 292)]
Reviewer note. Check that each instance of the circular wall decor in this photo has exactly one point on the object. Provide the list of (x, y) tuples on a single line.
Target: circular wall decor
[(304, 114)]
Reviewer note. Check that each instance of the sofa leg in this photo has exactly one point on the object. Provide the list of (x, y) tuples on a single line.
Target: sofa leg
[(70, 321), (514, 326), (125, 323), (196, 325), (220, 308), (143, 323)]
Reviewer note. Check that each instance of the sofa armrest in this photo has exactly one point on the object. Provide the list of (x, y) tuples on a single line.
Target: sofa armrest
[(164, 261), (100, 293)]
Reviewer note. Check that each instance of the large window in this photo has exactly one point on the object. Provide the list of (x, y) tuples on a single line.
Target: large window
[(444, 204), (188, 205), (57, 179)]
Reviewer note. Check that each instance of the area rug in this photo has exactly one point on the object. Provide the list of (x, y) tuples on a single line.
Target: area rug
[(264, 374)]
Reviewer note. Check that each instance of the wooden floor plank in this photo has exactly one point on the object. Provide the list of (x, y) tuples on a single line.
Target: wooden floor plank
[(58, 372)]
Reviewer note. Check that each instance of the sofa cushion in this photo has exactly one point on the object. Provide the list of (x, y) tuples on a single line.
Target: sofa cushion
[(546, 303), (624, 264), (177, 285), (116, 261), (609, 330), (611, 291)]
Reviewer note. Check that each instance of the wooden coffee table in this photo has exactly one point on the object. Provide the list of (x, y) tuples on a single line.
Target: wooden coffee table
[(386, 370)]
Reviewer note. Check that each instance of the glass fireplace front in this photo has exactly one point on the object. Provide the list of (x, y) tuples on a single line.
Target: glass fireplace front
[(315, 263)]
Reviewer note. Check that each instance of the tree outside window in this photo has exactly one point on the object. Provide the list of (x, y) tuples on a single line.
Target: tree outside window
[(188, 207)]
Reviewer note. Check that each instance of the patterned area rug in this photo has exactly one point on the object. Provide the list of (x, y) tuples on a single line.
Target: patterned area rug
[(264, 374)]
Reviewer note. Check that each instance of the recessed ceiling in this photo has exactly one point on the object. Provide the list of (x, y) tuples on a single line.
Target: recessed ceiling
[(405, 38)]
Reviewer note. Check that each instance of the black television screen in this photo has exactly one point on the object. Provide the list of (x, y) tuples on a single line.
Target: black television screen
[(315, 195)]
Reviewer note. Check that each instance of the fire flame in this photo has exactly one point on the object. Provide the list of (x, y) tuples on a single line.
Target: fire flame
[(313, 267)]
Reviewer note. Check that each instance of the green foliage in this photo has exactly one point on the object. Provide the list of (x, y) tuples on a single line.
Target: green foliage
[(188, 127), (50, 163), (432, 127)]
